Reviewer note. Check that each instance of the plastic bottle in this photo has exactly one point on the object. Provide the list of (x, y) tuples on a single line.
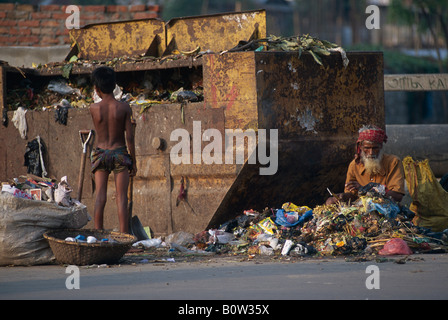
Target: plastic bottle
[(287, 247)]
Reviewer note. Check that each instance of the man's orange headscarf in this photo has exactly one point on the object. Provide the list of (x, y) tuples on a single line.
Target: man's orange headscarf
[(372, 134)]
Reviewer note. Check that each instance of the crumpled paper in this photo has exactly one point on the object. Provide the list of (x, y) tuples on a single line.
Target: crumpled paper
[(62, 193), (19, 121)]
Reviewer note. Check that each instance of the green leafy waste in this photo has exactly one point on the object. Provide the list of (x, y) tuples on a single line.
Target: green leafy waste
[(67, 68), (301, 43), (305, 43)]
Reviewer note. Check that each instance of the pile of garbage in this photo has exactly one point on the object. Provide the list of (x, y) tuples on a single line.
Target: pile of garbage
[(368, 226), (372, 225), (60, 94), (36, 188)]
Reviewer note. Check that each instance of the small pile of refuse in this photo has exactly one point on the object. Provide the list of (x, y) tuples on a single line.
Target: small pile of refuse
[(24, 219), (33, 187)]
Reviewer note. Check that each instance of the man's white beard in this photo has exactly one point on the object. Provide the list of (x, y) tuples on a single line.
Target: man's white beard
[(372, 165)]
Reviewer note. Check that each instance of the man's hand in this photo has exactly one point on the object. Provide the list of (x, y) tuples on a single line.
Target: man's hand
[(331, 200), (353, 186), (341, 197), (396, 196)]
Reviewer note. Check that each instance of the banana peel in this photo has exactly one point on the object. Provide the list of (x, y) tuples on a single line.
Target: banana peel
[(192, 52), (316, 57), (320, 51)]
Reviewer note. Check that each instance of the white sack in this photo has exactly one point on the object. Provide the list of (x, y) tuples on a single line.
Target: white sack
[(23, 223)]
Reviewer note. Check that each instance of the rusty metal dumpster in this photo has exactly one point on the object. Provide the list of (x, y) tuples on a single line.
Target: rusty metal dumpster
[(317, 112), (303, 118)]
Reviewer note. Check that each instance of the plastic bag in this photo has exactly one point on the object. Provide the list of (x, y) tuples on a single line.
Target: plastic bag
[(263, 250), (33, 159), (395, 246), (429, 199), (218, 236), (61, 112), (19, 121), (283, 218), (148, 243), (60, 86), (387, 208), (181, 238), (267, 225), (372, 188)]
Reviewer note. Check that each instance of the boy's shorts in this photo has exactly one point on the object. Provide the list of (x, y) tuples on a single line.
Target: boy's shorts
[(116, 160)]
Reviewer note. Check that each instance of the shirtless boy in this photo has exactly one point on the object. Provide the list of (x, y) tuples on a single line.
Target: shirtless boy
[(115, 151)]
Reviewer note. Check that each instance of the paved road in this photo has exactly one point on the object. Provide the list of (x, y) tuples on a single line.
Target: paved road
[(420, 277)]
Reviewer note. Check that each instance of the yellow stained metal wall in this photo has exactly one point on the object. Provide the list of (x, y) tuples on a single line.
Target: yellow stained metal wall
[(154, 37), (113, 40), (230, 84), (215, 32)]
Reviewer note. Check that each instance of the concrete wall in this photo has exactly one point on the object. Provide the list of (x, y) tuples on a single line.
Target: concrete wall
[(420, 142), (27, 56)]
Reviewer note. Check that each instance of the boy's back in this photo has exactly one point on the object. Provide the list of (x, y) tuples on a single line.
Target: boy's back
[(109, 118)]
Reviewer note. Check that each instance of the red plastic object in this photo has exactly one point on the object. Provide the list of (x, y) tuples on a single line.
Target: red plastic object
[(395, 246)]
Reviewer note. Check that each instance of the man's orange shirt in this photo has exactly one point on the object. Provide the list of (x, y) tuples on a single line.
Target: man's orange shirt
[(391, 175)]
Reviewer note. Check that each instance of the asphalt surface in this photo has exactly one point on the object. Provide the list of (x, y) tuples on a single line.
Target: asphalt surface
[(419, 276)]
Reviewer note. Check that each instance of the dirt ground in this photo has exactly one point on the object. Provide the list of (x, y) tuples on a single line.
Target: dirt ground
[(164, 255)]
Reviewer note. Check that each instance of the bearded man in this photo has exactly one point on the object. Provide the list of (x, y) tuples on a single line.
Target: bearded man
[(372, 165)]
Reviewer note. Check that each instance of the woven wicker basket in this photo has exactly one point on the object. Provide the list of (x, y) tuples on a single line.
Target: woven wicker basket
[(83, 253)]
